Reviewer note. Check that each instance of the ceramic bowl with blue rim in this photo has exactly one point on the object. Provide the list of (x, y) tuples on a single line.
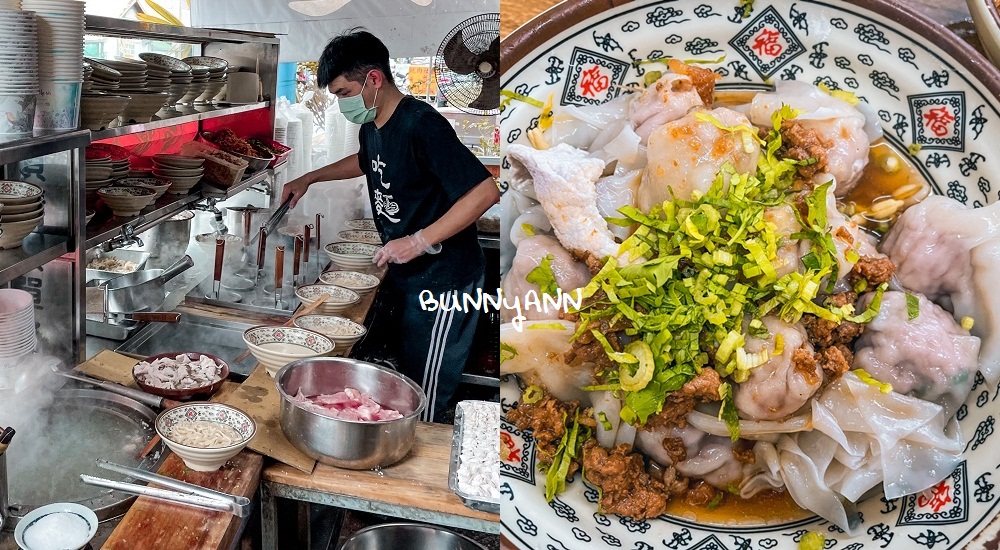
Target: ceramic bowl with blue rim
[(935, 98)]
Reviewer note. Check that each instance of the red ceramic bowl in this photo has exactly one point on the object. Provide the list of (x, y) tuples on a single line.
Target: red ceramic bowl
[(200, 393)]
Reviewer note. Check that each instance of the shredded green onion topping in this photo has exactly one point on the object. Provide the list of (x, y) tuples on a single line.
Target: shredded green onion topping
[(912, 306)]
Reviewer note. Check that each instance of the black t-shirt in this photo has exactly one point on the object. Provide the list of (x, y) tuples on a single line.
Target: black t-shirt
[(417, 169)]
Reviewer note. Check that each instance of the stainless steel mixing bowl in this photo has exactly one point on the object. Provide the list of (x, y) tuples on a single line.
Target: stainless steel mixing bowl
[(408, 535), (346, 443)]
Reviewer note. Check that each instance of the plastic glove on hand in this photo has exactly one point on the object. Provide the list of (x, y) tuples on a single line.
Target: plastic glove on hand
[(400, 251)]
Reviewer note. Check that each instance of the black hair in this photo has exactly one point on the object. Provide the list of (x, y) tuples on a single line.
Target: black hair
[(352, 55)]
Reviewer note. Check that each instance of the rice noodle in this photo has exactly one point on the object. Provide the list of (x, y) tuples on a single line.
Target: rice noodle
[(204, 434)]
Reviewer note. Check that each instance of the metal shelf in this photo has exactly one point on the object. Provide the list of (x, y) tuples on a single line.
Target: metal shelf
[(173, 118), (480, 380), (212, 192), (167, 205), (37, 250), (490, 161), (42, 143), (110, 26), (489, 241)]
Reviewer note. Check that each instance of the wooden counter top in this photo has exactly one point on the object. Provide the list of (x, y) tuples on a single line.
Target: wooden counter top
[(418, 483), (152, 523)]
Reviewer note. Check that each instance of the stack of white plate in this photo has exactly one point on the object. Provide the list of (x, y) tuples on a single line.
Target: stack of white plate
[(216, 75), (22, 211), (19, 86), (60, 38), (17, 323), (176, 72)]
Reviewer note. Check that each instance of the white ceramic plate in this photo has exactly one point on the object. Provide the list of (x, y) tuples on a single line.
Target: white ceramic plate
[(907, 70)]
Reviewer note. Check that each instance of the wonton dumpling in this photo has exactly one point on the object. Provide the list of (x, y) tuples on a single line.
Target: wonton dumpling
[(951, 254), (836, 120), (668, 99), (539, 358), (779, 387), (930, 356), (707, 457), (569, 273), (685, 155)]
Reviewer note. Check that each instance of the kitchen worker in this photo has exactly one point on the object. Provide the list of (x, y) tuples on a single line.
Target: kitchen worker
[(427, 190)]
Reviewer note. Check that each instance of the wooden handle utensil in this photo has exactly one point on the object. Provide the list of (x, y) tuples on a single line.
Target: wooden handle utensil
[(279, 268), (308, 244)]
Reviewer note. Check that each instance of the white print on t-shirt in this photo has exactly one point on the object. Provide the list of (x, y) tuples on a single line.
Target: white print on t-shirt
[(384, 205)]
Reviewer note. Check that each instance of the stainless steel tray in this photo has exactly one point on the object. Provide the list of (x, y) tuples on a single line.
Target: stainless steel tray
[(134, 256), (195, 333), (472, 501)]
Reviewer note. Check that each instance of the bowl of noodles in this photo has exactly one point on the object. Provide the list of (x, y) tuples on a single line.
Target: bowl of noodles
[(767, 229), (205, 435)]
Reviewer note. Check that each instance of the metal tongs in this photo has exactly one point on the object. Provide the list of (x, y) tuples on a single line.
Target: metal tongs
[(267, 228), (184, 493)]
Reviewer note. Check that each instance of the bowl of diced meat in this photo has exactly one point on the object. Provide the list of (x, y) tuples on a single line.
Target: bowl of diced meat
[(348, 413), (181, 375)]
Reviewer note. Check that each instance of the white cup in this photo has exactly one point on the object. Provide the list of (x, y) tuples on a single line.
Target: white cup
[(243, 88)]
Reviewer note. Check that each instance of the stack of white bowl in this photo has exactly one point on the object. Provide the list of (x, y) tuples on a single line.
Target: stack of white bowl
[(22, 211), (177, 72), (19, 59), (60, 61), (199, 83), (183, 172), (216, 75), (17, 323), (352, 256)]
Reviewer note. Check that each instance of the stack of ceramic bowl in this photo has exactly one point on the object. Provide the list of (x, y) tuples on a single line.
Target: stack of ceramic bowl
[(275, 347), (125, 202), (362, 283), (98, 170), (119, 157), (21, 212), (177, 72), (17, 323), (356, 256), (216, 75), (199, 83), (361, 224), (101, 110), (221, 96), (19, 87), (159, 185), (147, 97), (340, 298), (100, 77), (360, 236), (344, 332), (60, 61), (184, 172)]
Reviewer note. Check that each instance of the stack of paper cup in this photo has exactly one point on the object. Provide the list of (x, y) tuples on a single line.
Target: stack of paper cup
[(19, 59), (60, 61)]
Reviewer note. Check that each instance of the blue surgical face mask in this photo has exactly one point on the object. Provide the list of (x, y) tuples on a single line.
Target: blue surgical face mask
[(353, 108)]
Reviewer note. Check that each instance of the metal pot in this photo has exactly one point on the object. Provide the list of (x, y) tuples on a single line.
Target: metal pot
[(169, 239), (408, 535), (345, 443)]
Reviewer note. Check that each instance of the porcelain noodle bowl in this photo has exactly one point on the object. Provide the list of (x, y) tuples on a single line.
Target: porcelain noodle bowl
[(344, 332), (362, 283), (204, 459), (275, 347), (346, 443)]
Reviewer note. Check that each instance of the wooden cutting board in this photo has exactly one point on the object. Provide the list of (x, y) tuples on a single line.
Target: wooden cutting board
[(152, 523)]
